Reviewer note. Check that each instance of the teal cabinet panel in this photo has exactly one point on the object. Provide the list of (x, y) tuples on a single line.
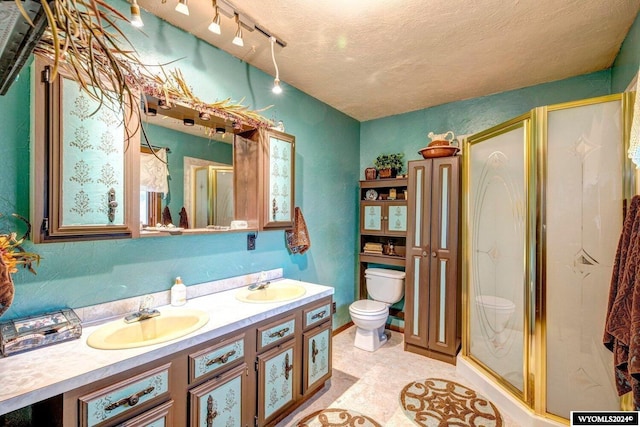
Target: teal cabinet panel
[(372, 217), (111, 402), (317, 357), (316, 315), (274, 333), (398, 218), (220, 401), (277, 378), (210, 360)]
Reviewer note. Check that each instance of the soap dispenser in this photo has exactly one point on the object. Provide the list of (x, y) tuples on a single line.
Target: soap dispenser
[(178, 293)]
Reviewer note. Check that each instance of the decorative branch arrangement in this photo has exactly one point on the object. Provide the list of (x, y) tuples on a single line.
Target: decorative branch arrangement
[(83, 37)]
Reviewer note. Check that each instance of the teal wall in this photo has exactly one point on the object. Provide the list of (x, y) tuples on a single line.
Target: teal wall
[(84, 273), (407, 132), (626, 63)]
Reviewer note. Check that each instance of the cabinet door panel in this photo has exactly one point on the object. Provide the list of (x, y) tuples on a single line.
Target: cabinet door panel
[(278, 375), (396, 218), (220, 401), (371, 218), (85, 189), (317, 357), (279, 179), (443, 278)]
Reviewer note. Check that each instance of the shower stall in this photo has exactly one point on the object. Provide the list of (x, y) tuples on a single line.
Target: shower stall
[(543, 211)]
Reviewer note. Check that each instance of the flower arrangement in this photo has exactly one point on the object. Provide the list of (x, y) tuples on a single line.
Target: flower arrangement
[(13, 254), (390, 161)]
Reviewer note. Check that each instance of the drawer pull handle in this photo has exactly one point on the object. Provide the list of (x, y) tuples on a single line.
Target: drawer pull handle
[(279, 333), (287, 366), (319, 315), (221, 359), (314, 351), (131, 400), (211, 414)]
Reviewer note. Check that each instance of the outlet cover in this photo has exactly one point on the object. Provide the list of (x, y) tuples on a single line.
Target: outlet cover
[(251, 241)]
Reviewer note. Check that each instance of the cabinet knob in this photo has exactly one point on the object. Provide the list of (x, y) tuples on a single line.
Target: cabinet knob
[(424, 253), (434, 254)]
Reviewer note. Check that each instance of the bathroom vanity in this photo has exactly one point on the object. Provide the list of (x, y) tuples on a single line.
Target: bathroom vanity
[(251, 364)]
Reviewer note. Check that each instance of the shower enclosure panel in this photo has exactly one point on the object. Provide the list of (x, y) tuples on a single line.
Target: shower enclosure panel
[(496, 252), (583, 165)]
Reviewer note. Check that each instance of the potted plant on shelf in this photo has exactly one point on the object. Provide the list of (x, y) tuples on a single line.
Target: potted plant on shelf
[(389, 165)]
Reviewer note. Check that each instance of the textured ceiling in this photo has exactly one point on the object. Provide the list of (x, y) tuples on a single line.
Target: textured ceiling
[(374, 58)]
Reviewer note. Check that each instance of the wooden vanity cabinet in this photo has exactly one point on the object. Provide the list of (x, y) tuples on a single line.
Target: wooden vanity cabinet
[(255, 376), (432, 283)]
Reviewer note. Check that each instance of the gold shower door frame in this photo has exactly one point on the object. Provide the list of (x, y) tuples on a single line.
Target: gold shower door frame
[(535, 123)]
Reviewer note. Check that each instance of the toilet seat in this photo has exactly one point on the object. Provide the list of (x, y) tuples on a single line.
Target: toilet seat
[(367, 307), (495, 302)]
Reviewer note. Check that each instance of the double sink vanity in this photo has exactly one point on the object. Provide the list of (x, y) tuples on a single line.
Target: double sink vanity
[(233, 358)]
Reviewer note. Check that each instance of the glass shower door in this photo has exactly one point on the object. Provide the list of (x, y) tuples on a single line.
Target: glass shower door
[(496, 247), (583, 220)]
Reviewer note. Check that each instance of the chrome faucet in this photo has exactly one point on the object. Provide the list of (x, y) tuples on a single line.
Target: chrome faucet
[(261, 283), (144, 312)]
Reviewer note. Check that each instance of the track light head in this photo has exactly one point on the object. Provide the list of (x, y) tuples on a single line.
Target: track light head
[(237, 40), (136, 19), (214, 27), (182, 7)]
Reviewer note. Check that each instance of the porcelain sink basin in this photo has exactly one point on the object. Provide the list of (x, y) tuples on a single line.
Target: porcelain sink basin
[(171, 324), (284, 290)]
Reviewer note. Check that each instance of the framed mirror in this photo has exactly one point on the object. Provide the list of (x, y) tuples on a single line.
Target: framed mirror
[(186, 171)]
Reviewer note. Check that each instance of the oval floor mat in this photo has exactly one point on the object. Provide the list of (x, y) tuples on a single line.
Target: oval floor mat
[(335, 417), (436, 402)]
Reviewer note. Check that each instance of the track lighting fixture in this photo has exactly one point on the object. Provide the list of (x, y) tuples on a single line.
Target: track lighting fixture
[(136, 19), (276, 82), (214, 27), (188, 122), (237, 40), (182, 7)]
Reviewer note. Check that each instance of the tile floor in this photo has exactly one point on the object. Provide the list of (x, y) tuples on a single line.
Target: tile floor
[(370, 383)]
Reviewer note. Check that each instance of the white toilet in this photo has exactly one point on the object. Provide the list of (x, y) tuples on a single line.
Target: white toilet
[(386, 287), (497, 312)]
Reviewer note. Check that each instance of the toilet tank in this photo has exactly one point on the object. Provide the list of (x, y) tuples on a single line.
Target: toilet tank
[(385, 285)]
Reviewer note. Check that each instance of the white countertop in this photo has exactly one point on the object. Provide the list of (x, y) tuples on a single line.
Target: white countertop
[(36, 375)]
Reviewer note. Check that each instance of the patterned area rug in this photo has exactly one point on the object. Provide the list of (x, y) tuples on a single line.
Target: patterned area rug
[(334, 417), (435, 402)]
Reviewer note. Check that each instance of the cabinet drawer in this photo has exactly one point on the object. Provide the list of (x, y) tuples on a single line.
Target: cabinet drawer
[(315, 315), (209, 361), (119, 400), (276, 332), (162, 416)]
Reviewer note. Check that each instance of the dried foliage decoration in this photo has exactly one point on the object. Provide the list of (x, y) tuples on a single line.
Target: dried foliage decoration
[(83, 37)]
